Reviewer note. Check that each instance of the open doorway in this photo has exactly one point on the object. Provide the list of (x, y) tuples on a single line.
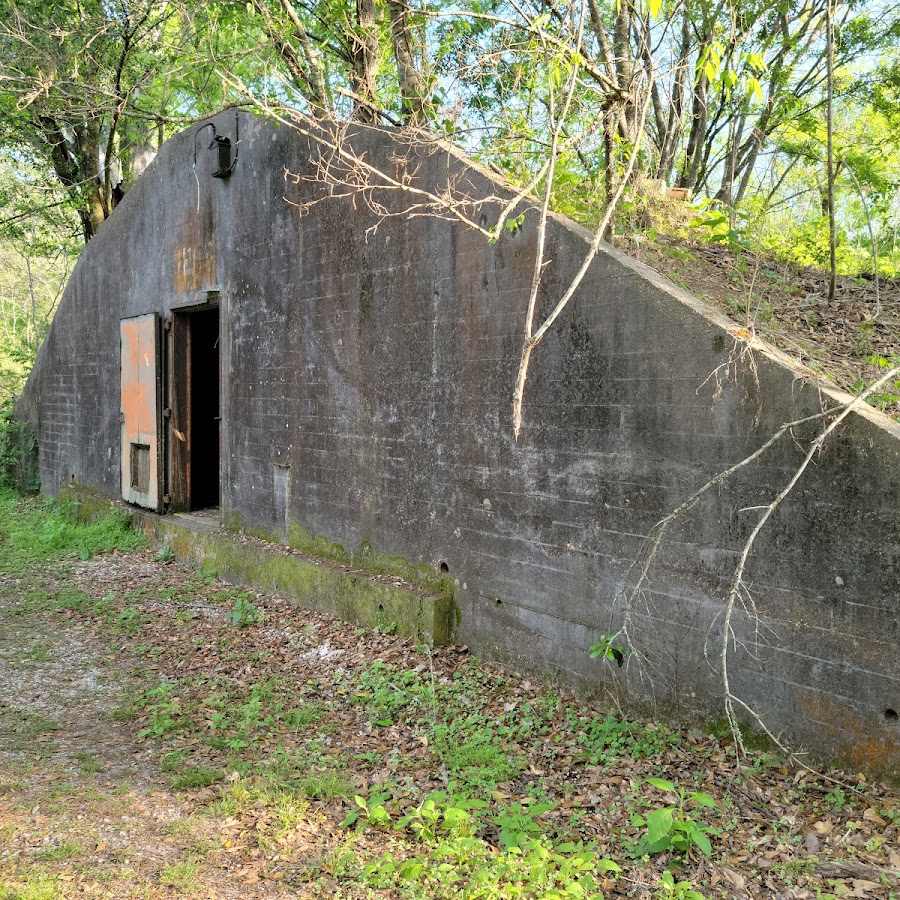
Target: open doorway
[(194, 463)]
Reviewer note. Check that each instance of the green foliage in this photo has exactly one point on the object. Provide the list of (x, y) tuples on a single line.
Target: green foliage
[(674, 827), (441, 814), (717, 227), (18, 455), (165, 554), (474, 751), (837, 798), (670, 889), (889, 394), (34, 531), (165, 709), (517, 823), (245, 613), (369, 810), (456, 864), (605, 648), (388, 691), (605, 739)]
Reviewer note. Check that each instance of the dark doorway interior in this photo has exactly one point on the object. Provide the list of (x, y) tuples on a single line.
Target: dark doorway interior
[(194, 441), (204, 403)]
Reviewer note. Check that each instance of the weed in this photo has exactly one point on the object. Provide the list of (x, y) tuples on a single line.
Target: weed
[(245, 613), (837, 798), (673, 827), (463, 866), (129, 620), (442, 814), (670, 889), (607, 739), (388, 692), (127, 710), (472, 750), (371, 811), (795, 867), (164, 554), (306, 714), (182, 876), (197, 777), (166, 711), (59, 853), (171, 762), (517, 825), (88, 763)]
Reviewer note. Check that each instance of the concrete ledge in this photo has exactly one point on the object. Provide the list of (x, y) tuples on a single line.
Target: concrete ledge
[(374, 601), (348, 592)]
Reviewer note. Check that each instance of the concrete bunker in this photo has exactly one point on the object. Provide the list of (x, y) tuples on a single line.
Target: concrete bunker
[(340, 382)]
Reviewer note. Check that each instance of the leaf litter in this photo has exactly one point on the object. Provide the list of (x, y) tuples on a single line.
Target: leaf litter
[(150, 746)]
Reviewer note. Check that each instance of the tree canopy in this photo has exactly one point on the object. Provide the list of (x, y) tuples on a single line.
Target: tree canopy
[(725, 104)]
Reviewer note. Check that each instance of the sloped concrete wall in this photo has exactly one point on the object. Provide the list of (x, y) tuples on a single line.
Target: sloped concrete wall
[(367, 369)]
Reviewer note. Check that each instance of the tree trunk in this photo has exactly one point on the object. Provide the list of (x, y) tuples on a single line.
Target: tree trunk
[(364, 55), (829, 124), (694, 154), (412, 91), (610, 118), (675, 123), (623, 59)]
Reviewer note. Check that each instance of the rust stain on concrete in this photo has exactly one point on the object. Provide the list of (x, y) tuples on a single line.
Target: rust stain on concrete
[(194, 262)]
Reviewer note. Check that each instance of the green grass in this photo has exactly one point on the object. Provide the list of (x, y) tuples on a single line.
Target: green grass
[(192, 777), (36, 530), (59, 853), (37, 887), (181, 876), (19, 729), (326, 786), (87, 763)]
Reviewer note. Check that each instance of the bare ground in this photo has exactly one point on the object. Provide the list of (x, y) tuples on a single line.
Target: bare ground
[(839, 341), (107, 790)]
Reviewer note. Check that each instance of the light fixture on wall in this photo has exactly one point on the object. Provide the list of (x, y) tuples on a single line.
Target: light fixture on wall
[(223, 147)]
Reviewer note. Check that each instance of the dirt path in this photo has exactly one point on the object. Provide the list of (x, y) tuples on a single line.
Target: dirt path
[(84, 810), (60, 694)]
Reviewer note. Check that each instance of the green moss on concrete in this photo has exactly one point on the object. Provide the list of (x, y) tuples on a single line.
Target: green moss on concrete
[(299, 538), (85, 505), (753, 740), (353, 597), (317, 545)]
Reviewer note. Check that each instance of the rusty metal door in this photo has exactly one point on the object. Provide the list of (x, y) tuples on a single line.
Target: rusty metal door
[(141, 395)]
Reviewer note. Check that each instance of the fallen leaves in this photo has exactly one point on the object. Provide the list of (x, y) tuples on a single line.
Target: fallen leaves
[(784, 832)]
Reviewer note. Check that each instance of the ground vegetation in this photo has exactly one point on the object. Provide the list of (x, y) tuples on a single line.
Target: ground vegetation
[(165, 734)]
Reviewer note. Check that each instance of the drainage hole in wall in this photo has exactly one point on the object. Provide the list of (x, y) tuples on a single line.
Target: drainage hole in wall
[(380, 607), (498, 602), (890, 715), (444, 568)]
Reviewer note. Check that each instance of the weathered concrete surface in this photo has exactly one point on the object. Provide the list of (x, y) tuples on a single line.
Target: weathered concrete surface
[(366, 384), (351, 595)]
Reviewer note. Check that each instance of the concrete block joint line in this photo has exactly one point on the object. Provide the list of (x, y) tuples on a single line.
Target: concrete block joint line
[(347, 378)]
